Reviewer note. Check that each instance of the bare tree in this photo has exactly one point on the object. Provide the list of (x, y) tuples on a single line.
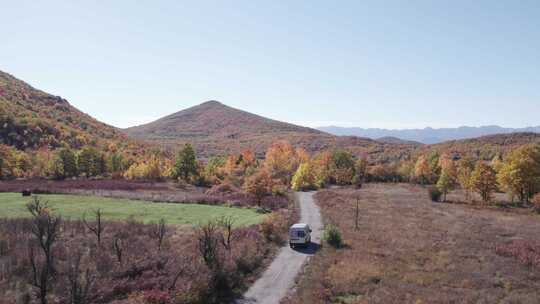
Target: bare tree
[(98, 226), (46, 230), (209, 245), (357, 213), (226, 223), (159, 231), (118, 249), (79, 282)]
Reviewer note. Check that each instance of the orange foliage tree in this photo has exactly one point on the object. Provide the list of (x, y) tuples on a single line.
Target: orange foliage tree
[(259, 185), (281, 162)]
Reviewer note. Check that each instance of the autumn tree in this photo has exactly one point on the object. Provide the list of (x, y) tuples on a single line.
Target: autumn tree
[(448, 177), (150, 169), (342, 167), (304, 178), (361, 170), (116, 164), (484, 181), (302, 155), (281, 162), (322, 165), (520, 174), (405, 170), (7, 162), (186, 164), (214, 171), (259, 185), (446, 163), (445, 183), (248, 159), (465, 169), (497, 163), (422, 170), (23, 164)]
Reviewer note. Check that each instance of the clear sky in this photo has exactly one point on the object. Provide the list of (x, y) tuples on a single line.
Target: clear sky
[(388, 64)]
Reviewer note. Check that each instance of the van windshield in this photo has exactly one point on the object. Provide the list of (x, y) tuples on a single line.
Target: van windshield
[(300, 233)]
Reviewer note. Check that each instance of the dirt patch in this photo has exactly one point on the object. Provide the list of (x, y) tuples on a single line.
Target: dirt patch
[(410, 250)]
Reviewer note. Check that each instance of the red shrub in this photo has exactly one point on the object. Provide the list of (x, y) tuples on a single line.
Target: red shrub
[(526, 252), (156, 297)]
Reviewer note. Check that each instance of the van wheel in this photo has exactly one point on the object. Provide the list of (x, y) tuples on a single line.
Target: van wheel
[(292, 246)]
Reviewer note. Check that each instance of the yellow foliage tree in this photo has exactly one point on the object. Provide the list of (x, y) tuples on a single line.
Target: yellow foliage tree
[(484, 181), (520, 174), (304, 178), (281, 161)]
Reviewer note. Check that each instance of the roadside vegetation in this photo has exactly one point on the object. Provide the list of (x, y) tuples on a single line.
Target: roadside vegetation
[(402, 248)]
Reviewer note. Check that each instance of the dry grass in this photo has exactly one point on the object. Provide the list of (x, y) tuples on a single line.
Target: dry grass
[(410, 250)]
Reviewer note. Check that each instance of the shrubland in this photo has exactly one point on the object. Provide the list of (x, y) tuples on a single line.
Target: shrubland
[(47, 259)]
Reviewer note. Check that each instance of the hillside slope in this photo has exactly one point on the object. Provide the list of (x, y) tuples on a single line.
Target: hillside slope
[(486, 147), (216, 129), (32, 119)]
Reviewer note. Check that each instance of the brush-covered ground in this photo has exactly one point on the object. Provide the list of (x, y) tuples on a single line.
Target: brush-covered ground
[(408, 249), (13, 205), (133, 261)]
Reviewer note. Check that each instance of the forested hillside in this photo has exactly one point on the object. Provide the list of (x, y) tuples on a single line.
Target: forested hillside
[(33, 119), (37, 129)]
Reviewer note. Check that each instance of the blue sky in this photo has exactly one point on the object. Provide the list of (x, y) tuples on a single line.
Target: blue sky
[(387, 64)]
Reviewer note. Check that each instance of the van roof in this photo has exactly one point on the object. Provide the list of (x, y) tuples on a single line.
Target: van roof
[(300, 226)]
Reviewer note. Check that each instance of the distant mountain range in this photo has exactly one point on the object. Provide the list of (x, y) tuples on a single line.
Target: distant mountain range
[(427, 135)]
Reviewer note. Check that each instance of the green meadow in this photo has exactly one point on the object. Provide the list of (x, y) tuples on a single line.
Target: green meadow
[(13, 205)]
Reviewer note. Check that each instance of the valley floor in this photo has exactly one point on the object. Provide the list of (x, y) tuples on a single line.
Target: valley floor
[(408, 249)]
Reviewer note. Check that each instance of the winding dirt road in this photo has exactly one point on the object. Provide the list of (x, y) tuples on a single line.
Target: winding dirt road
[(279, 278)]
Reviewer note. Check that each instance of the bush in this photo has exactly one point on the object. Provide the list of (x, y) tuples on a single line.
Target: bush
[(525, 251), (332, 236), (272, 228), (434, 194)]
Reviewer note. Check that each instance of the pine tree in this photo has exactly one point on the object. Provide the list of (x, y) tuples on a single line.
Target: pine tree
[(69, 162), (186, 164)]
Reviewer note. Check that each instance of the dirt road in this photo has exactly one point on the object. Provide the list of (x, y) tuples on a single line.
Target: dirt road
[(278, 279)]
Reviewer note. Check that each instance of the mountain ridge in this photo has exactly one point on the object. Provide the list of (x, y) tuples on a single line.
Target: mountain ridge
[(428, 135)]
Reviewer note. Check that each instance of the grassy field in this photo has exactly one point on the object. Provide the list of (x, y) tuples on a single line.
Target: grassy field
[(12, 205)]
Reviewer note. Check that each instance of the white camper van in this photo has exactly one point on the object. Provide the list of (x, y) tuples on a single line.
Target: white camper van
[(299, 234)]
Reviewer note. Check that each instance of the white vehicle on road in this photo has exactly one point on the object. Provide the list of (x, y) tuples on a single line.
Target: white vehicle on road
[(299, 234)]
